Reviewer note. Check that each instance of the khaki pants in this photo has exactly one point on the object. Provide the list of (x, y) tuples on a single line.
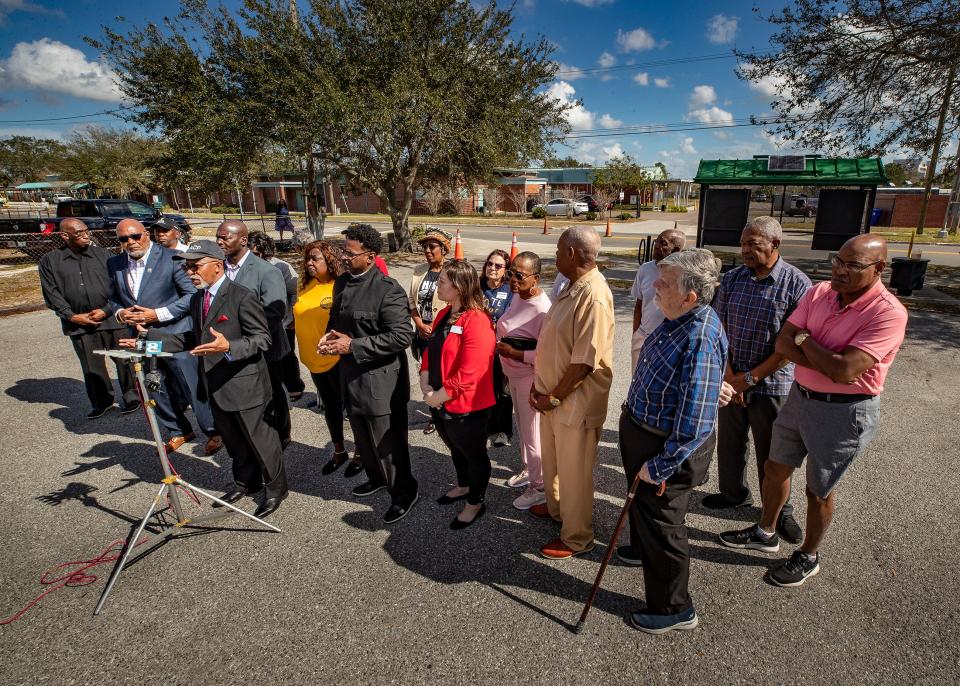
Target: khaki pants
[(569, 454)]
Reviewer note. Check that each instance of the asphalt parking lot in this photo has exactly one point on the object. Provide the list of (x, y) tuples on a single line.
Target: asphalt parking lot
[(338, 597)]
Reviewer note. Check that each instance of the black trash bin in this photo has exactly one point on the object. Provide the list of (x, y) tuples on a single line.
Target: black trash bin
[(907, 274)]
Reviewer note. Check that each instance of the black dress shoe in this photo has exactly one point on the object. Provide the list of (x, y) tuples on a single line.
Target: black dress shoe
[(352, 469), (334, 463), (98, 412), (457, 524), (367, 488), (231, 496), (398, 511), (132, 407), (447, 500), (268, 507), (718, 501)]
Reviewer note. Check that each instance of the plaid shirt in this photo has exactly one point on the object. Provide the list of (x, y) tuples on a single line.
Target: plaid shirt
[(676, 386), (753, 312)]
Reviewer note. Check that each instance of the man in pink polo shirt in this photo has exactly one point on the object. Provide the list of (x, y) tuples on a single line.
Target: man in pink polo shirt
[(843, 337)]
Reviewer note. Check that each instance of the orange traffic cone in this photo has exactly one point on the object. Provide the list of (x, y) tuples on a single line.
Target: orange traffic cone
[(458, 247), (608, 233), (513, 248), (546, 229)]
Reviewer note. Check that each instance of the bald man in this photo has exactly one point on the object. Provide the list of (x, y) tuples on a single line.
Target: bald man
[(572, 377), (76, 286), (246, 269), (843, 337), (149, 288), (646, 313)]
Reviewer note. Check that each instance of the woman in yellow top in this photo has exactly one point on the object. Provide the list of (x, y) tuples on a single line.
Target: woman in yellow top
[(311, 312)]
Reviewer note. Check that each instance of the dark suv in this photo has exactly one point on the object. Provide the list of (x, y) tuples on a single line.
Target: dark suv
[(106, 213), (593, 204)]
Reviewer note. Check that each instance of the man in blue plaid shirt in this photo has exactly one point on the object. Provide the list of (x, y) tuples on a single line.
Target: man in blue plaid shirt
[(753, 302), (666, 434)]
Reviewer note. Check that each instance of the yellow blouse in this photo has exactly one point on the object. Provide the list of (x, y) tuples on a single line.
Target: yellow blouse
[(311, 313)]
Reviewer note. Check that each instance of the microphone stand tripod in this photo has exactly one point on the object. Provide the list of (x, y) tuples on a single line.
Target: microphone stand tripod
[(169, 484)]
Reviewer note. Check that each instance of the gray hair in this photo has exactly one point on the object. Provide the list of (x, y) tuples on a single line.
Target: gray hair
[(768, 227), (584, 241), (700, 273)]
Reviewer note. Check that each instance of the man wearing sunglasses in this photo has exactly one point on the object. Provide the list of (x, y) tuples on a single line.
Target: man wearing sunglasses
[(148, 288), (843, 337)]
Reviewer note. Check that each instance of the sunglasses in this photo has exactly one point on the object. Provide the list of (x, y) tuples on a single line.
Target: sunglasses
[(519, 276), (495, 266), (195, 267), (130, 237)]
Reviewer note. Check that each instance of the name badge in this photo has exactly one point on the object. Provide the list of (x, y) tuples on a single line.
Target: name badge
[(501, 296), (456, 329)]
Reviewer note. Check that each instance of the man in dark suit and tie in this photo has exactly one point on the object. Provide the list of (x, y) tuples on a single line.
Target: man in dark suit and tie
[(246, 269), (149, 288), (229, 333), (370, 329)]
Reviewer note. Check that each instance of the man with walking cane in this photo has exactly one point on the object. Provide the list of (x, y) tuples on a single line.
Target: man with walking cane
[(667, 434)]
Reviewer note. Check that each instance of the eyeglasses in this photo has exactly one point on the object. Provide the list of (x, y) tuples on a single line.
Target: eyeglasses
[(195, 267), (130, 237), (519, 276), (347, 255), (495, 266), (851, 266)]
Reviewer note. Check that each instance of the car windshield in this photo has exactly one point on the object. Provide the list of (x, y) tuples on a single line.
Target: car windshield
[(126, 209)]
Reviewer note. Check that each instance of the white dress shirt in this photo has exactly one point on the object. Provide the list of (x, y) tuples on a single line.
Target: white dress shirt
[(136, 269)]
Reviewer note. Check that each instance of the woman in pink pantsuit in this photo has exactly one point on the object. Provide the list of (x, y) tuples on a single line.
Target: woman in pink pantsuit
[(517, 332)]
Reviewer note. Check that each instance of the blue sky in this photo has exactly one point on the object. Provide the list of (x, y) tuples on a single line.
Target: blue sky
[(48, 71)]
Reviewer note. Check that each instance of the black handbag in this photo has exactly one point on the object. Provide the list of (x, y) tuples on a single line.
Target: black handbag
[(523, 344)]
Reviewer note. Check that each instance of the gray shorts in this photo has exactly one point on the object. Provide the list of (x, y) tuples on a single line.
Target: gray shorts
[(832, 434)]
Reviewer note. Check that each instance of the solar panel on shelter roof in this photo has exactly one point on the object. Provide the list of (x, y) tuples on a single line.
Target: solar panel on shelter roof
[(786, 163)]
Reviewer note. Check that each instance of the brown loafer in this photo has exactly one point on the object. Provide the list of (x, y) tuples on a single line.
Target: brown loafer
[(214, 443), (558, 550), (176, 441)]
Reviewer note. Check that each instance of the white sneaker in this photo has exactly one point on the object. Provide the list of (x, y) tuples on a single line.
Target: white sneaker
[(519, 480), (530, 497)]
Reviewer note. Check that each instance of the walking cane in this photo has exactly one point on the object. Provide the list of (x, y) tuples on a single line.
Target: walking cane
[(610, 548)]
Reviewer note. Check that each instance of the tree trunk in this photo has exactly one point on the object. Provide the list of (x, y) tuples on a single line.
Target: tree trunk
[(935, 153), (399, 216), (314, 224)]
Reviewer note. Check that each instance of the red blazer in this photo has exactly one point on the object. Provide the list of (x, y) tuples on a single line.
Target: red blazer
[(466, 361)]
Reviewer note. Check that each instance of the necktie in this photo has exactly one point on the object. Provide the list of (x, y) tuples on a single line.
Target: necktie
[(206, 302)]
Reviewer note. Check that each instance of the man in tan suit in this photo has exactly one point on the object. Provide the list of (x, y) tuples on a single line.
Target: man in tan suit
[(572, 377)]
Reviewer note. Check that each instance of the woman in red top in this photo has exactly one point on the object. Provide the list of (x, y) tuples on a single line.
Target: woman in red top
[(456, 377)]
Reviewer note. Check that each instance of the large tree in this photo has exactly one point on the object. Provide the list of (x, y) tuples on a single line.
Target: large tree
[(864, 77), (111, 160), (392, 95), (24, 158), (620, 173)]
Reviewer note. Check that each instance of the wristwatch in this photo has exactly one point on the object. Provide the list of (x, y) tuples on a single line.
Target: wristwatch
[(748, 377), (555, 401), (800, 338)]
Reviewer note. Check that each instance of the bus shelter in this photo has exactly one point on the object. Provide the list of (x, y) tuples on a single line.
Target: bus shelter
[(837, 192)]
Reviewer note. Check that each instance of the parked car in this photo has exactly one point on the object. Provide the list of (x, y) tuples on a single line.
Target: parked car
[(592, 204), (102, 214), (561, 207), (56, 199), (802, 206)]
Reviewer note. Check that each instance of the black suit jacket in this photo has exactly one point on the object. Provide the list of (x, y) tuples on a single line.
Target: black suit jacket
[(375, 312), (237, 380)]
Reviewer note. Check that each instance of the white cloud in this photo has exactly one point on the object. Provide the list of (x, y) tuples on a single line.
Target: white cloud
[(687, 146), (591, 3), (642, 79), (578, 117), (662, 83), (711, 115), (703, 95), (722, 29), (612, 150), (608, 122), (595, 153), (52, 66), (770, 86), (637, 40), (606, 60), (568, 72), (10, 6)]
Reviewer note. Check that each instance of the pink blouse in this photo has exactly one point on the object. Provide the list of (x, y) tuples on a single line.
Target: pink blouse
[(522, 319)]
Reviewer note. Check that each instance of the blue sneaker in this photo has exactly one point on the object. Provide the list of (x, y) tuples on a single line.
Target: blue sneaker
[(661, 624)]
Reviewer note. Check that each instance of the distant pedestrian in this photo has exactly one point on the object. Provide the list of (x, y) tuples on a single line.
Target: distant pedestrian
[(282, 222), (843, 337), (497, 296), (646, 313)]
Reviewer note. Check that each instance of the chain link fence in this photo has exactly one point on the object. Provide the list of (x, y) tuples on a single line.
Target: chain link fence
[(28, 248)]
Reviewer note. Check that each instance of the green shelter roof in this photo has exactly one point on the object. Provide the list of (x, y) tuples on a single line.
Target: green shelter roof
[(34, 186), (819, 171)]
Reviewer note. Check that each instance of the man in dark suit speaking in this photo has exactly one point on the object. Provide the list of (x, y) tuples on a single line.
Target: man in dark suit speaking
[(230, 334)]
